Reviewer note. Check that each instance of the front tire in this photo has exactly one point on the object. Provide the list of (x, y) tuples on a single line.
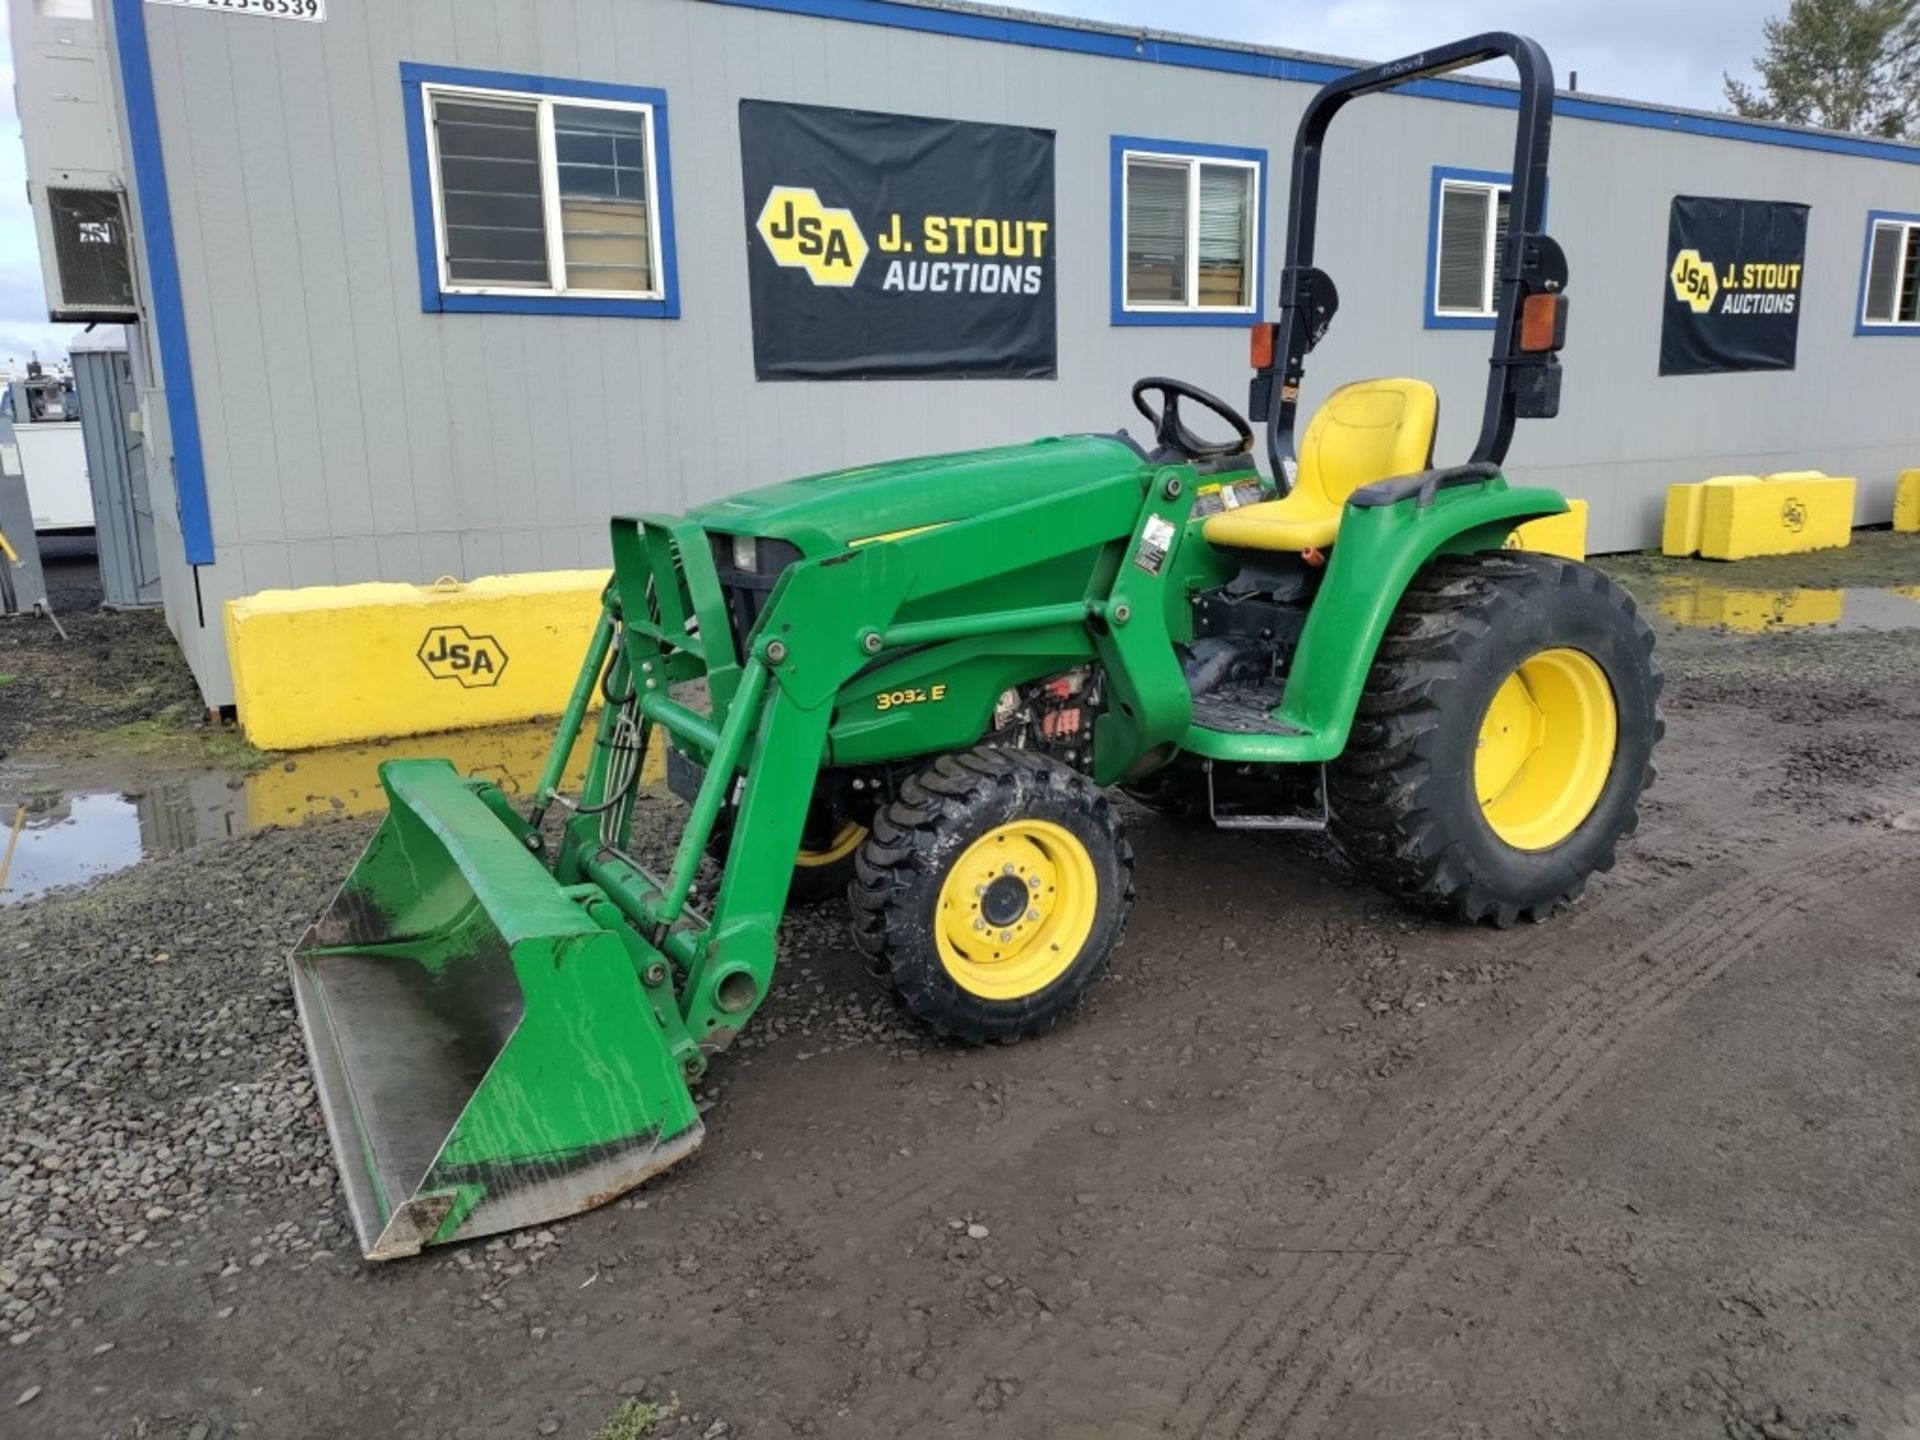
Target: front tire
[(1503, 739), (992, 892)]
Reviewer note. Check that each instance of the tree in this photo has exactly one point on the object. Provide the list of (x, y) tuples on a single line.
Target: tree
[(1838, 64)]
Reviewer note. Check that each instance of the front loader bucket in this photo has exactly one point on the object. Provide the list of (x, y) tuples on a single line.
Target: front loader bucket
[(486, 1054)]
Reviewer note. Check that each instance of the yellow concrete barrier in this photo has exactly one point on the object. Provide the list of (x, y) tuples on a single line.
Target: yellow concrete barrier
[(1562, 535), (1906, 502), (1788, 514), (329, 665), (1687, 513)]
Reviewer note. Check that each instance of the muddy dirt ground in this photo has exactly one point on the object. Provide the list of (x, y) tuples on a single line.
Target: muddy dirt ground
[(1307, 1165), (97, 672)]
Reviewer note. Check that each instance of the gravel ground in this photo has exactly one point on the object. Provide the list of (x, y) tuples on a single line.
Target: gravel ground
[(154, 1069), (1306, 1165)]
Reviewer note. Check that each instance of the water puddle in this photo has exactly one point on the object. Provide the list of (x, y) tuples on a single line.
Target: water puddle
[(1750, 610), (59, 826)]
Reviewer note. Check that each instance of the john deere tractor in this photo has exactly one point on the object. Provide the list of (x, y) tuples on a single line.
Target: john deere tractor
[(919, 683)]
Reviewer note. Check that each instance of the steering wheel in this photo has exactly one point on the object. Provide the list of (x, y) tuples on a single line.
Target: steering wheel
[(1169, 434)]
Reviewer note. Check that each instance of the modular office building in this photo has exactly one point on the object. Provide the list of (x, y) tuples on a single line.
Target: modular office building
[(432, 287)]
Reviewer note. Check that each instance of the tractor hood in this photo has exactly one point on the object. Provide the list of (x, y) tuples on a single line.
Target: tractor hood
[(821, 514)]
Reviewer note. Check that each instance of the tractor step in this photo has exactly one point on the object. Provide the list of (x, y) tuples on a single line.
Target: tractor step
[(1242, 710), (1266, 797)]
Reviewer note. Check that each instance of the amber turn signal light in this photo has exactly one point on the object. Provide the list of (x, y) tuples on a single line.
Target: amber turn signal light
[(1543, 323), (1260, 348)]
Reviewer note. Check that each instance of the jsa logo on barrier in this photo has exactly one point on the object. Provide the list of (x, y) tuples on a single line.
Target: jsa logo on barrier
[(450, 653), (806, 235)]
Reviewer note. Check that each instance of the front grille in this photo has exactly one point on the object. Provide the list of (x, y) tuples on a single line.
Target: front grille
[(748, 591)]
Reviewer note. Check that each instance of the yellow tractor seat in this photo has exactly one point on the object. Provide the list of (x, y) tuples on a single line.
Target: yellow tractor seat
[(1367, 431)]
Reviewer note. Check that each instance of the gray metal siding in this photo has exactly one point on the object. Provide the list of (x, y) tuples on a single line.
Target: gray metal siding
[(350, 436)]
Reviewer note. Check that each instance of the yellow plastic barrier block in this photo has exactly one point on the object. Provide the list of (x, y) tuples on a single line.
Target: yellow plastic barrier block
[(329, 665), (1562, 535), (1906, 502), (1786, 515), (1687, 512)]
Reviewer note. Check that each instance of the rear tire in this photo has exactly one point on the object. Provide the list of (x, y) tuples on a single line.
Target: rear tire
[(1492, 664), (992, 892)]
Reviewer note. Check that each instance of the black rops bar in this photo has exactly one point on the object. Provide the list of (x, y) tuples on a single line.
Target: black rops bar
[(1522, 385)]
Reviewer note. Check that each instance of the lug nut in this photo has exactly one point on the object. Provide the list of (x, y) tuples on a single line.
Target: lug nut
[(1033, 914), (1033, 882), (1005, 935)]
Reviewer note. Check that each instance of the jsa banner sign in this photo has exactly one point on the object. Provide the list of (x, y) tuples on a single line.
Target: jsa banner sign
[(893, 245), (1733, 285)]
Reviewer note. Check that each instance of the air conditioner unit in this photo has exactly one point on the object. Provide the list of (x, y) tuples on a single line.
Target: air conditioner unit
[(75, 170), (91, 277)]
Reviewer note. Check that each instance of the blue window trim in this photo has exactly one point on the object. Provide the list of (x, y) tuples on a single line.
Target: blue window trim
[(1909, 328), (163, 280), (1184, 149), (1430, 302), (433, 299)]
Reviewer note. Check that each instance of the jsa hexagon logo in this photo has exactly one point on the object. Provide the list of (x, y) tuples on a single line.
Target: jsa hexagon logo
[(806, 235), (451, 652), (1694, 284)]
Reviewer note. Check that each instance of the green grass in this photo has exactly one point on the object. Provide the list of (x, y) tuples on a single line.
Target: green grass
[(168, 738), (632, 1420), (8, 679)]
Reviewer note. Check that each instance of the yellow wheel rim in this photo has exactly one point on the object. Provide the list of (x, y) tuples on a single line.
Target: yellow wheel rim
[(1016, 909), (845, 841), (1546, 749)]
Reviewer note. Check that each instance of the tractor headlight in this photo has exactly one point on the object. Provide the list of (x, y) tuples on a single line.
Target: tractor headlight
[(746, 554)]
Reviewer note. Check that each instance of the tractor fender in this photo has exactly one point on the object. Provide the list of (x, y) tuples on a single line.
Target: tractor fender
[(1380, 550)]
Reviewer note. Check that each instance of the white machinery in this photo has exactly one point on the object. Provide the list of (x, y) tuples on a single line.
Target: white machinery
[(45, 447)]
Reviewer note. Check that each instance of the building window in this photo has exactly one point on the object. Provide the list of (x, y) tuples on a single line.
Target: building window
[(535, 195), (1467, 229), (1890, 283), (1189, 230)]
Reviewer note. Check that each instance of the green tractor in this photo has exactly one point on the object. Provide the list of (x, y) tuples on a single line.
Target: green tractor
[(917, 684)]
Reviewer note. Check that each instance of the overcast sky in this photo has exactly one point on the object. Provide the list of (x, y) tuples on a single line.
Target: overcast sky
[(1670, 51)]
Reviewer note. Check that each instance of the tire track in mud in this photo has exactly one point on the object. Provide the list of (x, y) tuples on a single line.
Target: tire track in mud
[(1136, 1385), (1277, 1370), (897, 1200)]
